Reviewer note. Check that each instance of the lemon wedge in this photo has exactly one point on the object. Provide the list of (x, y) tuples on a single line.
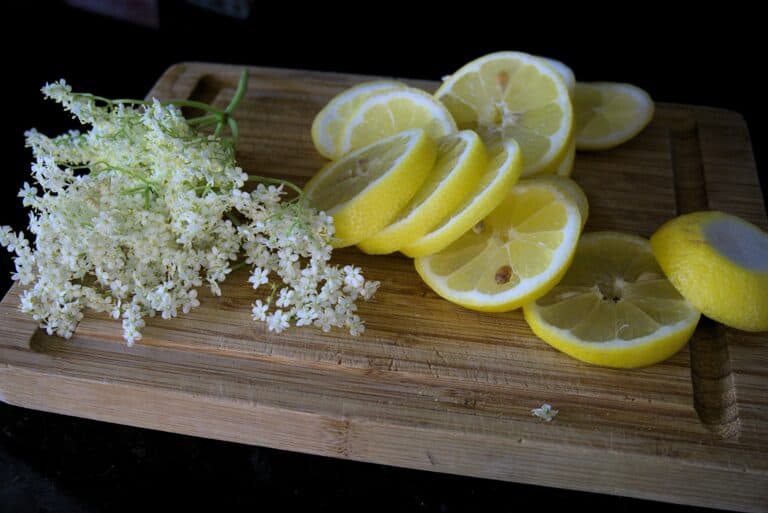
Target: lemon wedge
[(501, 174), (388, 112), (514, 255), (608, 114), (329, 123), (513, 95), (614, 307), (364, 190), (719, 262), (461, 161)]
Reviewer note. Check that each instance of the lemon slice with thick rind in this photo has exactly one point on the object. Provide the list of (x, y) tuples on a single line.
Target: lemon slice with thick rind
[(364, 190), (461, 161), (607, 114), (720, 263), (388, 112), (501, 174), (614, 307), (513, 95), (514, 255), (328, 125)]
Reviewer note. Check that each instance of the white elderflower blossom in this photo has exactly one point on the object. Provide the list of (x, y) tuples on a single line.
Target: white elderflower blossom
[(130, 217)]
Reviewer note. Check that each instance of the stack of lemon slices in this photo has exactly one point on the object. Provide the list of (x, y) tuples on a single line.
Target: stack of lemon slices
[(472, 182)]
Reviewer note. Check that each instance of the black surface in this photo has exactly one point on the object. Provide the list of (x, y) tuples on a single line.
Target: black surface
[(56, 463)]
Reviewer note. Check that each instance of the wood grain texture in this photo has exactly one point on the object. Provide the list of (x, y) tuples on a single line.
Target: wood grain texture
[(431, 385)]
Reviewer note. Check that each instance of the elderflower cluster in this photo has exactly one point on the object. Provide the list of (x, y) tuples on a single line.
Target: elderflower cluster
[(132, 216)]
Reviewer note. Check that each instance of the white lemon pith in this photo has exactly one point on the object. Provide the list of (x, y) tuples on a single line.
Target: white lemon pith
[(502, 172), (720, 263), (514, 255), (364, 190), (607, 114), (329, 123), (388, 112), (513, 95), (614, 307), (461, 161)]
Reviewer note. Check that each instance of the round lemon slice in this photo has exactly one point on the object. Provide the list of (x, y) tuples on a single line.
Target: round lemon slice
[(461, 161), (608, 114), (501, 174), (614, 307), (391, 111), (513, 95), (364, 190), (513, 256), (719, 262), (329, 123)]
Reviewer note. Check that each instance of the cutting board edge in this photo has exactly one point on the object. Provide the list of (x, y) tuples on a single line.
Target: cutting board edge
[(365, 440)]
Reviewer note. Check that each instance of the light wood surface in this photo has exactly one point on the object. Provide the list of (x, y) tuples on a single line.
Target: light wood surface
[(431, 385)]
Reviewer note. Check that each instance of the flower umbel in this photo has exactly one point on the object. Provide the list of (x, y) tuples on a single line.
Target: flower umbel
[(133, 215)]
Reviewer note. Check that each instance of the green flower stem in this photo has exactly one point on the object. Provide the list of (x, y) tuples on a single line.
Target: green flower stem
[(222, 116), (242, 87), (276, 181), (233, 128), (204, 120)]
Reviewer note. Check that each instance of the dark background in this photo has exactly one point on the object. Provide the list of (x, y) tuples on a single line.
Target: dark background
[(56, 463)]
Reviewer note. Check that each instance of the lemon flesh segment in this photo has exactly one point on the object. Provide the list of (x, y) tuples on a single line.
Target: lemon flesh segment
[(328, 125), (515, 255), (719, 262), (364, 190), (513, 95), (388, 112), (502, 172), (461, 161), (614, 307), (607, 114)]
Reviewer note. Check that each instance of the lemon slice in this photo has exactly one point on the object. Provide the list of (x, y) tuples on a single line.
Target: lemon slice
[(364, 190), (461, 161), (565, 73), (719, 262), (513, 95), (513, 256), (329, 123), (608, 114), (614, 307), (388, 112), (501, 174)]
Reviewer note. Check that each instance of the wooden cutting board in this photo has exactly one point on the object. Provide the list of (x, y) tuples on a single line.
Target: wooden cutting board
[(431, 385)]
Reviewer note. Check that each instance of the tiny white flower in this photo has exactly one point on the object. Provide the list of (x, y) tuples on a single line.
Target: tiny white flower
[(545, 412)]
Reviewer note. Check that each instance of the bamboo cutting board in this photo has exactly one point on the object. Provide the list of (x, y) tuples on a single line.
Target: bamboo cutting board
[(431, 385)]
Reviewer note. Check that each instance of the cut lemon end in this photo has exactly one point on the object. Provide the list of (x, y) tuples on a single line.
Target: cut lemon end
[(514, 255), (614, 307), (608, 114), (513, 95), (365, 190), (502, 172), (719, 262), (388, 112), (461, 161), (329, 123)]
